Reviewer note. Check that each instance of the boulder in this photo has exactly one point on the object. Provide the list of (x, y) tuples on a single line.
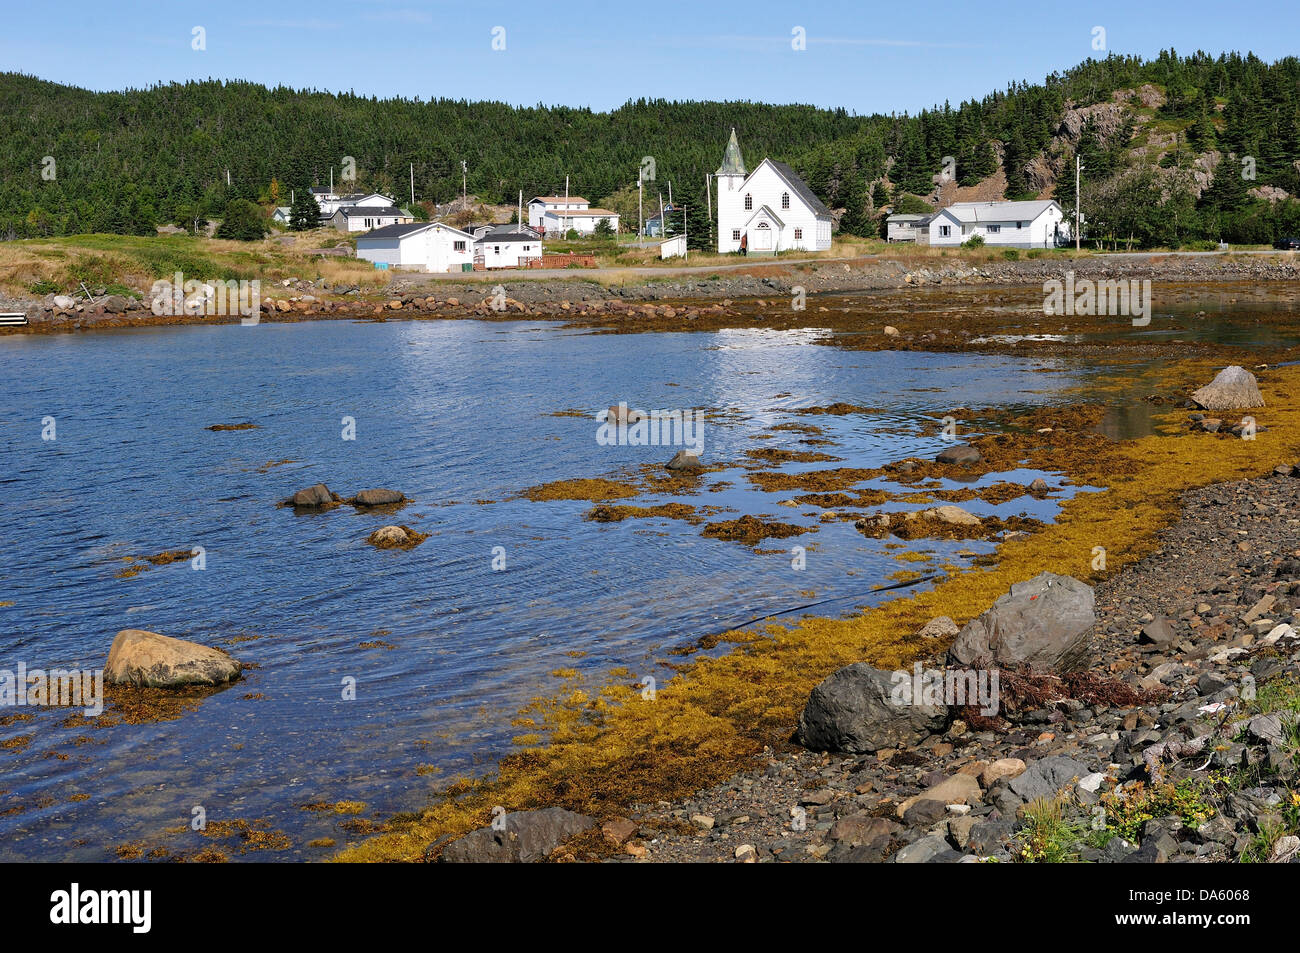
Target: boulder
[(953, 515), (115, 304), (854, 710), (313, 496), (1002, 768), (1042, 622), (148, 659), (956, 789), (891, 331), (1233, 388), (527, 837), (386, 537), (940, 627), (962, 453), (65, 302), (1158, 632), (1048, 776), (378, 498), (684, 460)]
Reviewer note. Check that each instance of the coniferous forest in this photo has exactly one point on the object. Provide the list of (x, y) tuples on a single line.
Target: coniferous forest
[(75, 161)]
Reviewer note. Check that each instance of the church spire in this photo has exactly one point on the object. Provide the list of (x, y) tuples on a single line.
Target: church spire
[(732, 163)]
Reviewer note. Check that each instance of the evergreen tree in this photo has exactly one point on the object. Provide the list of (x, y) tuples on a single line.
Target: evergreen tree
[(243, 221), (304, 214)]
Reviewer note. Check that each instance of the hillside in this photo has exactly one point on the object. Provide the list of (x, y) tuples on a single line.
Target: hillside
[(1153, 135)]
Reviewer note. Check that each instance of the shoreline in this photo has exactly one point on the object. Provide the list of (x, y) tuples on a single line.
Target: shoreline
[(606, 750), (713, 297)]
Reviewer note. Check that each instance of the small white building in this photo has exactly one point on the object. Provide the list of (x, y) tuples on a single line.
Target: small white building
[(497, 249), (282, 214), (558, 223), (1038, 224), (768, 210), (905, 228), (539, 205), (419, 246), (674, 247), (364, 218)]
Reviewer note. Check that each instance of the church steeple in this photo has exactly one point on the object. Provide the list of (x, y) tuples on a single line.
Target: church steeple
[(732, 163)]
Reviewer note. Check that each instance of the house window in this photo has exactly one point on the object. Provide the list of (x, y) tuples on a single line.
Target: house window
[(749, 202), (1020, 224), (785, 200), (994, 229), (798, 234), (457, 246), (735, 234), (945, 231)]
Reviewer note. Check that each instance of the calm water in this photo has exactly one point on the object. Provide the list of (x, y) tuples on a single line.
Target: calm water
[(461, 417)]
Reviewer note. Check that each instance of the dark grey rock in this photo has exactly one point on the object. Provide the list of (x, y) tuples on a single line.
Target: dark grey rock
[(854, 710), (962, 453), (1048, 776)]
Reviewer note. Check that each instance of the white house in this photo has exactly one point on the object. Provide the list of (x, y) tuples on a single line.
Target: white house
[(558, 222), (363, 218), (282, 214), (768, 210), (419, 246), (541, 204), (1038, 224), (330, 202), (497, 249)]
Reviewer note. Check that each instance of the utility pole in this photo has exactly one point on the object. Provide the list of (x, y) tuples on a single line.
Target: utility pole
[(663, 225), (412, 183), (519, 215), (686, 249), (670, 193), (464, 183), (331, 180), (1078, 167), (640, 216), (566, 193)]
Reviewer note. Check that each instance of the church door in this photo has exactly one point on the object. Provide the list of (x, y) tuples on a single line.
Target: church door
[(763, 237)]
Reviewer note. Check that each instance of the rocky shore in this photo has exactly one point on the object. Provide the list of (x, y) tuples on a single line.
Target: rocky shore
[(613, 294), (1177, 743), (1155, 720)]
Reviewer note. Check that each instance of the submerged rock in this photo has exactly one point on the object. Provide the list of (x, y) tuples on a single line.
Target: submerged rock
[(1041, 622), (142, 658), (396, 537), (1233, 388), (962, 453), (526, 837), (853, 710), (378, 498)]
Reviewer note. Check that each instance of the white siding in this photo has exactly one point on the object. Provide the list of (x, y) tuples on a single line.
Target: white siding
[(800, 227)]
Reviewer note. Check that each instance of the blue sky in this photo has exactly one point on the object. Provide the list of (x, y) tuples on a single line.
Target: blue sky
[(864, 56)]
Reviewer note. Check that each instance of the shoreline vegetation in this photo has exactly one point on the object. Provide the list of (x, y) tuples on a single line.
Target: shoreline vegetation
[(598, 749)]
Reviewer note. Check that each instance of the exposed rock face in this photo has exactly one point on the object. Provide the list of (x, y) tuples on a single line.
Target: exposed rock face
[(142, 658), (954, 515), (961, 453), (529, 836), (378, 498), (684, 460), (853, 710), (1042, 622), (1233, 388)]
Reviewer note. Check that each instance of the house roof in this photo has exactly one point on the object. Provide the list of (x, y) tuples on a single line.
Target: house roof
[(396, 231), (377, 211), (579, 214), (799, 185), (558, 198), (973, 212), (906, 218), (732, 163), (497, 238)]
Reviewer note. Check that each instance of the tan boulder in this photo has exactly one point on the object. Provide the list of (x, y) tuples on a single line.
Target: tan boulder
[(1002, 768), (138, 657), (957, 789)]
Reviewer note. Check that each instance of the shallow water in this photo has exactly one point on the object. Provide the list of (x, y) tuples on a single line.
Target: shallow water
[(460, 416)]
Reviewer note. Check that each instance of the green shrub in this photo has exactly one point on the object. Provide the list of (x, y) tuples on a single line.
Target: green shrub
[(975, 241), (1011, 254)]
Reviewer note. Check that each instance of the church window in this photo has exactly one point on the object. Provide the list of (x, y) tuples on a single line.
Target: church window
[(735, 234), (749, 202), (798, 234), (785, 200)]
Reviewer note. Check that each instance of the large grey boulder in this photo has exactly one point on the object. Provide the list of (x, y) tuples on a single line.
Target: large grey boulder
[(312, 497), (1233, 388), (1042, 623), (855, 710), (528, 836), (142, 658), (378, 498), (1047, 777), (961, 453)]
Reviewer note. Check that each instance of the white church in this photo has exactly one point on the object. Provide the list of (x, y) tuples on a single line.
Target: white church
[(768, 210)]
